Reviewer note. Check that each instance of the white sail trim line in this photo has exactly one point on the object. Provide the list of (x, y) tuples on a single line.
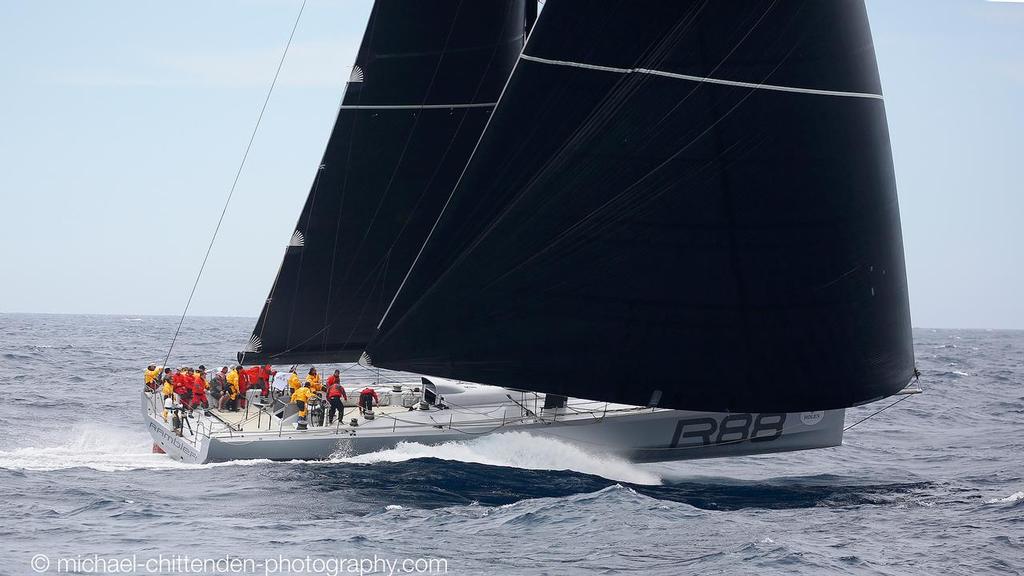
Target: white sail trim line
[(414, 106), (737, 83)]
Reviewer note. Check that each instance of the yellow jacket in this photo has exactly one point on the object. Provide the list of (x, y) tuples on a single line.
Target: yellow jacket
[(293, 382), (303, 395), (168, 389), (233, 384), (314, 382), (151, 376)]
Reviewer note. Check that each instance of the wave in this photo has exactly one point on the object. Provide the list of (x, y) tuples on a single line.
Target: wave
[(788, 492), (515, 450), (101, 449), (1015, 497), (88, 446)]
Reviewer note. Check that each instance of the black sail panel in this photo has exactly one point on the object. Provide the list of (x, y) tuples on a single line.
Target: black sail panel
[(687, 204), (423, 87)]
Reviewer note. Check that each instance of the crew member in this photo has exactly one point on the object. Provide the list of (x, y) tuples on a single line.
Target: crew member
[(301, 397), (313, 379), (176, 422), (244, 379), (219, 384), (151, 375), (293, 381), (166, 377), (167, 390), (336, 396), (263, 376), (168, 384), (182, 387), (366, 399), (199, 387), (168, 405), (229, 397)]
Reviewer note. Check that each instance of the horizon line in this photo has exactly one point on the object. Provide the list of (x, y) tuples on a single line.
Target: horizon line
[(4, 313)]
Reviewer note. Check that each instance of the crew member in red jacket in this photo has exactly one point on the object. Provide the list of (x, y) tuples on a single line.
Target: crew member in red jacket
[(182, 387), (263, 376), (336, 396), (199, 389), (244, 381), (366, 399)]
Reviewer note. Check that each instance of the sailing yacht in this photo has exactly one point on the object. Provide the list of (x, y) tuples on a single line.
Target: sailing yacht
[(546, 216)]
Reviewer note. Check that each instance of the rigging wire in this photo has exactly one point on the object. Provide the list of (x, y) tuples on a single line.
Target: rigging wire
[(234, 183), (876, 413), (917, 379)]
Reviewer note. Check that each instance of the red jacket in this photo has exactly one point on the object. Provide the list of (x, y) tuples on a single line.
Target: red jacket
[(244, 378), (335, 389), (199, 385), (180, 382), (261, 375), (371, 392)]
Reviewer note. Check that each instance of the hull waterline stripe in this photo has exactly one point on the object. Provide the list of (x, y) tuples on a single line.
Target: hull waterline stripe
[(414, 106), (755, 85)]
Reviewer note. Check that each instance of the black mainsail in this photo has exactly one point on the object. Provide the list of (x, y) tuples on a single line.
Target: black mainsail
[(687, 204), (425, 81)]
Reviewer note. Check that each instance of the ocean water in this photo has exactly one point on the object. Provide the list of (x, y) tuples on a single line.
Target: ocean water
[(934, 485)]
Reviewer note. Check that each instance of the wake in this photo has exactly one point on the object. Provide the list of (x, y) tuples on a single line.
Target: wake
[(116, 450), (515, 450), (98, 448), (89, 446)]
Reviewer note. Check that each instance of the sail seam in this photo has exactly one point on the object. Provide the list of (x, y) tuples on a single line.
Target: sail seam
[(701, 79), (414, 106)]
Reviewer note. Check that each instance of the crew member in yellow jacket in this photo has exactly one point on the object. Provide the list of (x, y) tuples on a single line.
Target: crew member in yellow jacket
[(301, 397), (151, 375), (231, 397), (167, 391), (313, 379), (293, 381)]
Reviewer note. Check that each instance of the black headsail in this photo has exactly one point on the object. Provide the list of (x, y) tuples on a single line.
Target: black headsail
[(425, 82), (687, 204)]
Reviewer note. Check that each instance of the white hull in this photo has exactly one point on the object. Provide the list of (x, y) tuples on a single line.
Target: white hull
[(637, 434)]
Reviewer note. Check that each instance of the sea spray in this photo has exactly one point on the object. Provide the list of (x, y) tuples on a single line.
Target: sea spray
[(516, 450)]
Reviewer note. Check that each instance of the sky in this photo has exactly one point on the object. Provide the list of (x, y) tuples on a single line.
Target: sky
[(122, 124)]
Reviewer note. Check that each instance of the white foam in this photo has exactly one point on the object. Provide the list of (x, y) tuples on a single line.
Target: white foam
[(1011, 498), (516, 450), (392, 507), (98, 448), (115, 450)]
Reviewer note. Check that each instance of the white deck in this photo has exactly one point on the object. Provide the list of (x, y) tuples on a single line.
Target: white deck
[(256, 419)]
